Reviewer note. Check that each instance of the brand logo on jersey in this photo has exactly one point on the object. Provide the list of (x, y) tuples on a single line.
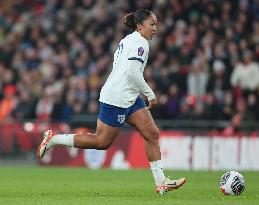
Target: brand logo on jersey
[(140, 51), (121, 118)]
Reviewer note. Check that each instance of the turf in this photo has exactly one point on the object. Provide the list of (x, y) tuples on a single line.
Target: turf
[(35, 185)]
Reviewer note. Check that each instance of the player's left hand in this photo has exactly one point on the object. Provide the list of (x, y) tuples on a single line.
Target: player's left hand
[(152, 103)]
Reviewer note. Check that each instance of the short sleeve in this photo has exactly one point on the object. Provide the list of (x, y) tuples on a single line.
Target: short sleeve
[(138, 52)]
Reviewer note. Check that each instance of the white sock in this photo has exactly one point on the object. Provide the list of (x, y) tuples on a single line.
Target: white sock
[(157, 171), (63, 139)]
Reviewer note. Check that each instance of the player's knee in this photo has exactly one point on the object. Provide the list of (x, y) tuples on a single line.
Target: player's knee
[(153, 134)]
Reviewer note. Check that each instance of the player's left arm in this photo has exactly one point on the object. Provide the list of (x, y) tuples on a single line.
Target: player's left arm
[(135, 75)]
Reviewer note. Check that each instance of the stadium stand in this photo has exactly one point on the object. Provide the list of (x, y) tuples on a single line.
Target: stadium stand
[(55, 56)]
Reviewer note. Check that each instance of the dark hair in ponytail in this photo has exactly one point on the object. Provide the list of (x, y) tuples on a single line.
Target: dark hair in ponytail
[(132, 19)]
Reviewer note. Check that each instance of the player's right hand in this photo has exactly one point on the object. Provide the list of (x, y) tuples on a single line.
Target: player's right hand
[(152, 103)]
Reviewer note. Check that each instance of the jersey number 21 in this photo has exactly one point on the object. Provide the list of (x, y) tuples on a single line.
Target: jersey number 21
[(118, 53)]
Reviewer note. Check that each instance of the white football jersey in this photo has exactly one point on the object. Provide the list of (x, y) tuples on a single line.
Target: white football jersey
[(120, 90)]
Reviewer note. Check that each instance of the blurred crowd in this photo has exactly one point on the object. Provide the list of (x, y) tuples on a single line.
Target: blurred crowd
[(55, 56)]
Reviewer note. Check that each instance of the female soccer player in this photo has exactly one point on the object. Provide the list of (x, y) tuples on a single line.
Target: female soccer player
[(120, 102)]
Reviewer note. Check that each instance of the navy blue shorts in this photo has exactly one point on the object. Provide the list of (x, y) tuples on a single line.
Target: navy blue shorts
[(116, 116)]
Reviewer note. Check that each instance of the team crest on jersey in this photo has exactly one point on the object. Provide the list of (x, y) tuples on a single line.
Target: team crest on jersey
[(140, 51), (121, 118)]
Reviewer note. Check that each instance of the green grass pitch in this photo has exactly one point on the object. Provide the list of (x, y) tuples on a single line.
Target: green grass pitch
[(36, 185)]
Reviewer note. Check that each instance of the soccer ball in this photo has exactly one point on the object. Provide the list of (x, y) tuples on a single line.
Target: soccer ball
[(232, 183)]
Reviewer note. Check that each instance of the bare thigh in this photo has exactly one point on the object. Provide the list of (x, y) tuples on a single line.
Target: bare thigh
[(106, 134), (143, 122)]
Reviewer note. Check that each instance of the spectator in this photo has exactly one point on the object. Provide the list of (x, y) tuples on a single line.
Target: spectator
[(8, 103), (172, 105), (218, 83), (44, 106), (25, 106), (198, 75), (227, 107), (245, 75), (35, 52)]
